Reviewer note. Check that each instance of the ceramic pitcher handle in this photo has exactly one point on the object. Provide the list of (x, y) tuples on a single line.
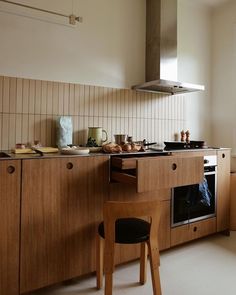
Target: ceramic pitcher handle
[(104, 131)]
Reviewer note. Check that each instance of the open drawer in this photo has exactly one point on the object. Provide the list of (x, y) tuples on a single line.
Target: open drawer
[(153, 173)]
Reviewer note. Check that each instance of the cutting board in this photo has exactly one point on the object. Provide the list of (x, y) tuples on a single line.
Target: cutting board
[(30, 151)]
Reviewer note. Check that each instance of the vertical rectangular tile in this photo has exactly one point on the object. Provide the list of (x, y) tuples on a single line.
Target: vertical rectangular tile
[(12, 95), (55, 98), (19, 128), (5, 131), (1, 93), (31, 135), (37, 122), (61, 99), (49, 98), (6, 95), (80, 130), (126, 102), (86, 100), (75, 130), (48, 130), (71, 99), (12, 131), (117, 94), (105, 102), (44, 98), (53, 131), (25, 128), (38, 96), (109, 102), (25, 97), (32, 92), (96, 102), (100, 100), (76, 110), (81, 100), (43, 128), (66, 99), (91, 101)]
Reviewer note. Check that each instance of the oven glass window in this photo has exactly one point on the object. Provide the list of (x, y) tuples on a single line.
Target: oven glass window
[(194, 201)]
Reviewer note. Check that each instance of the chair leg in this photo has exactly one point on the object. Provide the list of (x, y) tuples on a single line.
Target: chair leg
[(154, 263), (143, 263), (108, 266), (99, 261)]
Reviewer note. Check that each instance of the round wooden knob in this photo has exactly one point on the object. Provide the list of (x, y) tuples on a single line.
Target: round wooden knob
[(69, 165), (11, 169)]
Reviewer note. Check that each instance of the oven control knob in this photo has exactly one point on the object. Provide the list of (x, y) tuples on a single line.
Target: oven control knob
[(206, 161)]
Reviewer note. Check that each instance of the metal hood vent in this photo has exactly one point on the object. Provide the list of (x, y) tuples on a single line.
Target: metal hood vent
[(161, 50)]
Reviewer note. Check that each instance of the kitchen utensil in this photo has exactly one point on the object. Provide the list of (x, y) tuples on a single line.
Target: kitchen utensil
[(120, 138), (95, 136)]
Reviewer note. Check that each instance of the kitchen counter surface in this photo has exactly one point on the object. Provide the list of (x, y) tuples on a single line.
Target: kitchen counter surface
[(149, 152)]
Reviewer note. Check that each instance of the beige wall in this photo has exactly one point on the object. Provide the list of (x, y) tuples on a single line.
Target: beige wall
[(194, 52), (108, 50), (224, 73)]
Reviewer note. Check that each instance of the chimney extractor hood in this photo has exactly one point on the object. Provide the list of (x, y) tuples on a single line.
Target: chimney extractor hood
[(161, 50)]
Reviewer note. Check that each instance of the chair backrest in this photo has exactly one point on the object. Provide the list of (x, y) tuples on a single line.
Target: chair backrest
[(114, 210)]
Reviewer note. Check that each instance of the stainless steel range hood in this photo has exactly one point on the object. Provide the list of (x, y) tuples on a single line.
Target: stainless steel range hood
[(161, 50)]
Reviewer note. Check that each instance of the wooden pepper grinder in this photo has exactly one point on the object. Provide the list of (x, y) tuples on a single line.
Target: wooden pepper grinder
[(187, 133), (182, 134)]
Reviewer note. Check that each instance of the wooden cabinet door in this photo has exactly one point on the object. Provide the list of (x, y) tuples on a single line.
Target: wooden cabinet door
[(223, 190), (10, 172), (62, 202), (166, 172)]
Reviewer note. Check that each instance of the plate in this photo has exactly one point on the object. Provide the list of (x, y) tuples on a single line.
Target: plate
[(75, 151)]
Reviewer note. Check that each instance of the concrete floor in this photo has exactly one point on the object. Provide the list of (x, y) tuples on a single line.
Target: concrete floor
[(203, 267)]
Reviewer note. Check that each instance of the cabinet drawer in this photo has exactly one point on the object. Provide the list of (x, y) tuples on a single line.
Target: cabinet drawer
[(153, 173), (192, 231)]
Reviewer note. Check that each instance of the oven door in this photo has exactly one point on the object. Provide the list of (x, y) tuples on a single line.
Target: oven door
[(195, 202)]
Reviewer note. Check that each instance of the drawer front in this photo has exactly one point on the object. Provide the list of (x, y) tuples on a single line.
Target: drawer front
[(166, 172), (188, 232)]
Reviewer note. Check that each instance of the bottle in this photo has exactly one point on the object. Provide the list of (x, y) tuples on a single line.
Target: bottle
[(182, 134)]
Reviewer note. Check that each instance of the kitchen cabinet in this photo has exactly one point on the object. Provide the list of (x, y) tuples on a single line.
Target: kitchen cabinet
[(192, 231), (62, 200), (10, 172), (154, 173), (223, 190)]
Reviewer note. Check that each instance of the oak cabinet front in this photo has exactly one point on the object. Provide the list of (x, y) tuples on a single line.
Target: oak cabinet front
[(223, 190), (62, 202), (10, 172)]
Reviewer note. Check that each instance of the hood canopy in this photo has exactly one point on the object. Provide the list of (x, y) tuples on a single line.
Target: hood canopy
[(161, 50)]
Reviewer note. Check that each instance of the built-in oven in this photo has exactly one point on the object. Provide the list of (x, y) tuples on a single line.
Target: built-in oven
[(195, 202)]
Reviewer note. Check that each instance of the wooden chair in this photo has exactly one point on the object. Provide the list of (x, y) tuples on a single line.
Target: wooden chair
[(121, 226)]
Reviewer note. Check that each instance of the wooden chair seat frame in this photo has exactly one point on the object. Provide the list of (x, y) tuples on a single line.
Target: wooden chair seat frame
[(113, 211)]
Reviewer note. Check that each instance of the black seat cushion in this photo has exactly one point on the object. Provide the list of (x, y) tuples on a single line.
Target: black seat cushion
[(129, 230)]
